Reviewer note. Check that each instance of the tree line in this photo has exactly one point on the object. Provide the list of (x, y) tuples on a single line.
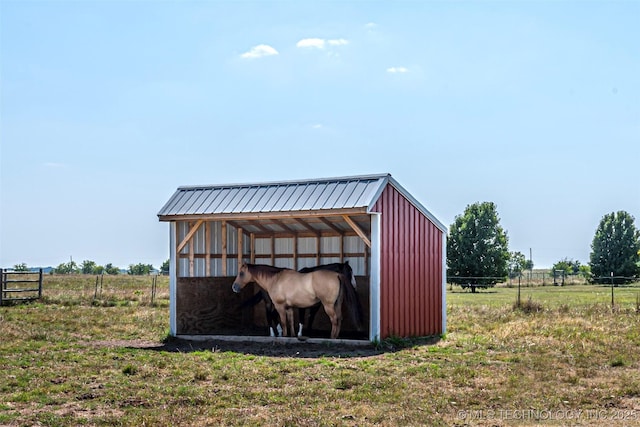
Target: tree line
[(91, 267), (478, 251)]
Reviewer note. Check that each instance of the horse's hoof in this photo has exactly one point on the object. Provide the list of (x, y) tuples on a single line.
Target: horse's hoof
[(302, 338)]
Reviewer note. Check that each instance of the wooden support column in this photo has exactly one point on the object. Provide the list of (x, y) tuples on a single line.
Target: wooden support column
[(192, 253), (273, 250), (252, 255), (207, 242), (295, 252), (224, 248), (240, 247), (342, 248), (318, 248)]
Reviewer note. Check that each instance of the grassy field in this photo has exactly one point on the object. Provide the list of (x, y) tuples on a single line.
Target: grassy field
[(565, 358)]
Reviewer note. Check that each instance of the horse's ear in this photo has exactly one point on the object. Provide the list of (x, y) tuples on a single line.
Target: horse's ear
[(347, 263)]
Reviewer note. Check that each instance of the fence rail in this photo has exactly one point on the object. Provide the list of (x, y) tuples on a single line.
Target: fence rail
[(20, 285)]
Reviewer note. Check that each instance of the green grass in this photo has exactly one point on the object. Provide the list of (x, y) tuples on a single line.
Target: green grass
[(70, 360)]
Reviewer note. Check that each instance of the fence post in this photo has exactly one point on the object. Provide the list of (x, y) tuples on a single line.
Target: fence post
[(40, 285), (612, 304), (1, 285)]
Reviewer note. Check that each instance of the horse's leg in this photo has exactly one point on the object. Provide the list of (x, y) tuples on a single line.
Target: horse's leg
[(282, 311), (301, 316), (335, 322), (291, 320), (312, 315)]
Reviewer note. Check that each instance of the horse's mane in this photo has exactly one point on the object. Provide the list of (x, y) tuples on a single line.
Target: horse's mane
[(338, 267), (264, 270)]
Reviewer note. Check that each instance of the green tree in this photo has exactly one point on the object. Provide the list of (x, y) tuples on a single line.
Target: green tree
[(517, 264), (88, 267), (164, 268), (140, 269), (569, 266), (615, 249), (477, 247), (111, 269), (66, 268), (20, 267)]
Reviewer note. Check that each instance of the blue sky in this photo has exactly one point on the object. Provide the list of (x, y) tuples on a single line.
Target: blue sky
[(107, 107)]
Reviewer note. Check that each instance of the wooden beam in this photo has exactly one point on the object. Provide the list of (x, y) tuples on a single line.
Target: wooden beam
[(189, 235), (306, 226), (250, 216), (331, 225), (357, 229), (284, 226)]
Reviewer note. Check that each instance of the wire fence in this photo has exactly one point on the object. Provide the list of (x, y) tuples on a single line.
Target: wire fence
[(537, 279)]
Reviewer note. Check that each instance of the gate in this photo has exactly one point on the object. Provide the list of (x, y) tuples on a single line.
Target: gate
[(20, 285)]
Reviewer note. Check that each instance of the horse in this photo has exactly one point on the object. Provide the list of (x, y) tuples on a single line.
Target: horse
[(338, 267), (289, 288), (273, 319)]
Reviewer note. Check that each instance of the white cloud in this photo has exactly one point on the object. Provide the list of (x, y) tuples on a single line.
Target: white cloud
[(321, 43), (317, 126), (394, 70), (259, 51), (371, 25), (313, 42)]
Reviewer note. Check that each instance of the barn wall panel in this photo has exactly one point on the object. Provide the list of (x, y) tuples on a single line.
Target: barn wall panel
[(410, 269)]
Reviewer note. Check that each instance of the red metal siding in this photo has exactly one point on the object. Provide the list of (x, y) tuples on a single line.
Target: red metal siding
[(410, 269)]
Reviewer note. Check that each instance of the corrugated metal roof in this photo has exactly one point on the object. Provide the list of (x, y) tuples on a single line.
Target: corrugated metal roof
[(288, 196), (343, 193)]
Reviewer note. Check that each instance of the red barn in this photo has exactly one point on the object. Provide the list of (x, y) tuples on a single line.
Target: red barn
[(395, 246)]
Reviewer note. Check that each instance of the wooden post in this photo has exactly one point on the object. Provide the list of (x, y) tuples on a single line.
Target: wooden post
[(295, 252), (40, 285), (207, 242), (342, 248), (318, 249), (273, 250), (252, 249), (1, 285), (224, 248), (240, 247), (192, 253)]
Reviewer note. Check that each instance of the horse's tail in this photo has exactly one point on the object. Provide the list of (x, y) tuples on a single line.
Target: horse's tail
[(350, 298)]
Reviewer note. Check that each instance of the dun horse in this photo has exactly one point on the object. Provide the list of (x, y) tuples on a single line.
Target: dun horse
[(290, 289), (273, 319)]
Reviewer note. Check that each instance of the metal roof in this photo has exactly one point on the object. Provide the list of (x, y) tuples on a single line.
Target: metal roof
[(353, 194), (288, 196)]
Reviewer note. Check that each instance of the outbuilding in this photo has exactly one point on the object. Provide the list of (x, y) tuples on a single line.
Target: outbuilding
[(395, 246)]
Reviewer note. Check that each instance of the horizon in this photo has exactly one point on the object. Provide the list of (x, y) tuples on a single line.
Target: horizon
[(107, 108)]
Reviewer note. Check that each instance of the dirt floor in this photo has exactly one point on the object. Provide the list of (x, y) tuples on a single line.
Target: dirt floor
[(277, 347)]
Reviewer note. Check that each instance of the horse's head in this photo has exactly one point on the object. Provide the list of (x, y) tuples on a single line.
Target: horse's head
[(243, 277)]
